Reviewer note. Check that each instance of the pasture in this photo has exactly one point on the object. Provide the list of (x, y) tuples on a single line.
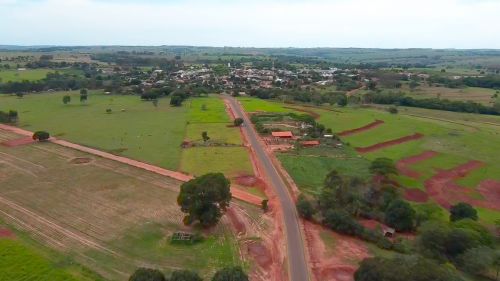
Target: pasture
[(224, 151), (479, 95), (107, 216), (20, 75), (457, 138), (134, 129)]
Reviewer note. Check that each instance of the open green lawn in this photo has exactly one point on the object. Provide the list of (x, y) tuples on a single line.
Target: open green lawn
[(134, 129), (232, 161), (20, 75), (21, 261), (256, 105), (208, 114)]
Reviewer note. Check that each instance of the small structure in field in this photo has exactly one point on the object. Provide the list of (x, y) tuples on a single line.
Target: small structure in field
[(310, 143), (181, 236), (282, 135)]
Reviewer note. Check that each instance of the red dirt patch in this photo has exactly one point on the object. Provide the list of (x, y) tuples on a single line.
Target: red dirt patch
[(446, 192), (18, 142), (260, 254), (5, 233), (237, 223), (385, 144), (416, 195), (80, 160), (247, 181), (370, 126), (403, 164)]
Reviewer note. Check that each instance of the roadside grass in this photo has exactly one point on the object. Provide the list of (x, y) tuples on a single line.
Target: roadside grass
[(141, 131), (15, 75), (309, 167), (218, 133), (206, 110), (231, 161), (258, 105), (123, 209)]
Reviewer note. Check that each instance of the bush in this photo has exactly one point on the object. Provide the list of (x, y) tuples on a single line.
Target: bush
[(393, 110), (184, 275), (147, 274), (462, 211), (305, 208), (230, 274), (400, 215), (238, 122), (41, 136), (341, 221)]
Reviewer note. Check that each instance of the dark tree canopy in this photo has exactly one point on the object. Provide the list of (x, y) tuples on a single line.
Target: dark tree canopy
[(41, 136), (403, 268), (66, 99), (205, 199), (304, 207), (184, 275), (383, 166), (400, 215), (238, 121), (230, 274), (462, 211), (147, 274)]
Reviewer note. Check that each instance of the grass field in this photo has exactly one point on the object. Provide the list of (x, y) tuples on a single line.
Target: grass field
[(209, 114), (108, 216), (479, 95), (21, 261), (141, 131), (20, 75)]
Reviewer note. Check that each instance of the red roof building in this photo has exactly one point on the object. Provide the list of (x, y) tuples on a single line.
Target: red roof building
[(283, 135), (310, 143)]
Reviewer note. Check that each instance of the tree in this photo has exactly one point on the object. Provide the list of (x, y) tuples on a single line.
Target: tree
[(230, 274), (462, 211), (341, 221), (265, 205), (155, 102), (205, 199), (204, 136), (342, 101), (238, 122), (372, 85), (83, 95), (304, 207), (147, 274), (400, 215), (477, 260), (41, 136), (383, 166), (413, 84), (66, 99), (176, 100), (184, 275)]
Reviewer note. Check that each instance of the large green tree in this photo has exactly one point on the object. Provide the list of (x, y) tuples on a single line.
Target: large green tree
[(184, 275), (462, 211), (400, 215), (205, 199)]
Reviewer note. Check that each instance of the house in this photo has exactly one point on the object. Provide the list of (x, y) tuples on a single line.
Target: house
[(282, 135), (310, 143)]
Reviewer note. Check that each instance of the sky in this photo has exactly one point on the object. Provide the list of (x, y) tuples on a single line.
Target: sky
[(462, 24)]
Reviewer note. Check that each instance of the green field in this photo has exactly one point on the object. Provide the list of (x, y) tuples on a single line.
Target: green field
[(479, 95), (256, 105), (209, 114), (134, 129), (20, 75), (22, 261)]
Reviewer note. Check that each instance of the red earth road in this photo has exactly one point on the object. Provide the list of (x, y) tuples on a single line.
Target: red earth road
[(370, 126), (385, 144)]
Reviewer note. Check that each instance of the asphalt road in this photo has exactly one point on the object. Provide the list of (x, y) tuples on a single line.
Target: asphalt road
[(297, 264)]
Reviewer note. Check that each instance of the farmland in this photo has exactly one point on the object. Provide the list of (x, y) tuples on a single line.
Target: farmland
[(20, 75), (109, 217), (479, 95), (134, 129)]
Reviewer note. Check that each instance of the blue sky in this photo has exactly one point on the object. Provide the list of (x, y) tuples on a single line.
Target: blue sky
[(257, 23)]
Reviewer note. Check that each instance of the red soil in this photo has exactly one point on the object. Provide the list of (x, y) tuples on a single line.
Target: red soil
[(236, 221), (260, 254), (333, 264), (18, 142), (416, 195), (446, 192), (5, 233), (385, 144), (403, 164), (370, 126)]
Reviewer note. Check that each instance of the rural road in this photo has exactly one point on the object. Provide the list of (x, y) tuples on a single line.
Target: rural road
[(297, 265)]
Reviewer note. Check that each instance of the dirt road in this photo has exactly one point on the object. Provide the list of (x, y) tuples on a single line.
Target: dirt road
[(297, 265)]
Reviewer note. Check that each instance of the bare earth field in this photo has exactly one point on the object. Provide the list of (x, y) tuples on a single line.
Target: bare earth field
[(108, 216)]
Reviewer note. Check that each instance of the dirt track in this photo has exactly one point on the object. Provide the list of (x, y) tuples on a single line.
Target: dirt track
[(370, 126), (403, 164), (385, 144)]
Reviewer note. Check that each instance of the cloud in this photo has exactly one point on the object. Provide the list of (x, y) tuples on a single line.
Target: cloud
[(300, 23)]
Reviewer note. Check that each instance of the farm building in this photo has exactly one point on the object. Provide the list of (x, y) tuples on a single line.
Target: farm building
[(310, 143), (282, 135)]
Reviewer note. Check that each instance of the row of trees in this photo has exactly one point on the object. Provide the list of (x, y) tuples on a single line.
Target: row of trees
[(9, 117), (439, 104), (226, 274)]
